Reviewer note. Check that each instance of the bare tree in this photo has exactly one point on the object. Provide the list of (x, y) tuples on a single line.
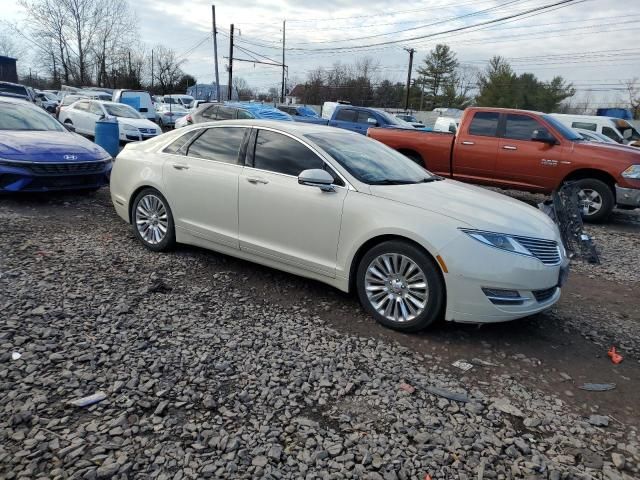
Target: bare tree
[(167, 69), (632, 87)]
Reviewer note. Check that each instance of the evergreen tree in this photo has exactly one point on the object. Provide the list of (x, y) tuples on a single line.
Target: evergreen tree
[(438, 70)]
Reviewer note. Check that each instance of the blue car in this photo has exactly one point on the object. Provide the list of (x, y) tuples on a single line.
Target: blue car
[(38, 154)]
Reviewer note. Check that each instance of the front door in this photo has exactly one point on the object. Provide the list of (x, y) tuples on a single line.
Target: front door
[(525, 164), (201, 180), (282, 220)]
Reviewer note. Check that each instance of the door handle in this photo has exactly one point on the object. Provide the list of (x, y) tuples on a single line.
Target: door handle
[(180, 166), (510, 147), (256, 180), (468, 143)]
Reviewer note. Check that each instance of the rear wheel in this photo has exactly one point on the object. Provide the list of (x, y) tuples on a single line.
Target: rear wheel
[(595, 199), (400, 286)]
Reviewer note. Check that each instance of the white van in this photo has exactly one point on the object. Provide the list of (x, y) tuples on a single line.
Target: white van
[(140, 100), (616, 129), (446, 124), (185, 101)]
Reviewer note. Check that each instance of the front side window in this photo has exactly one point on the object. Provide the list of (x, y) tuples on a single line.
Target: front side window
[(346, 115), (611, 133), (243, 114), (95, 109), (520, 127), (484, 124), (281, 154), (363, 117), (221, 144)]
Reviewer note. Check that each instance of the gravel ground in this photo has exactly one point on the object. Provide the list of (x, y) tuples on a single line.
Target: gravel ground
[(204, 378)]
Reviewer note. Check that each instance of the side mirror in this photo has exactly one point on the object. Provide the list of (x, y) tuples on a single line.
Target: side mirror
[(542, 135), (372, 121), (316, 177), (102, 117)]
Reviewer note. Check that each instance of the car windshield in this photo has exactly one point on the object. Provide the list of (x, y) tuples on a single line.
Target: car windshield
[(393, 120), (565, 131), (370, 161), (121, 110), (13, 89), (25, 117)]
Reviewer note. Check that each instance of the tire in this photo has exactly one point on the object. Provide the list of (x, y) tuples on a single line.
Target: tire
[(153, 202), (390, 262), (600, 198), (414, 157)]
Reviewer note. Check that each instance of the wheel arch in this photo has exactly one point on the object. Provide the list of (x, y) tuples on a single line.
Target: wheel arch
[(377, 240), (601, 175), (135, 194)]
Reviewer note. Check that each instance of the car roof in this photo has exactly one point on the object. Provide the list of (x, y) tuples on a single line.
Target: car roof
[(294, 128), (15, 99)]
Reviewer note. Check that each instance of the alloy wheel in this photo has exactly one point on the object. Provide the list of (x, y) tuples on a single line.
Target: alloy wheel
[(590, 201), (151, 219), (396, 287)]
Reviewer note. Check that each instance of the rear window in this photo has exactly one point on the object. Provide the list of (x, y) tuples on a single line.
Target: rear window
[(13, 89), (175, 148), (484, 124)]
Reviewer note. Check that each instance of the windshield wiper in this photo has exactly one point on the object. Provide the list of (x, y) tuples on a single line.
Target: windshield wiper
[(389, 181)]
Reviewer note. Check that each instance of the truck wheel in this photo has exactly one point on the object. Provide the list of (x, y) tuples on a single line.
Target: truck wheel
[(596, 200), (414, 157)]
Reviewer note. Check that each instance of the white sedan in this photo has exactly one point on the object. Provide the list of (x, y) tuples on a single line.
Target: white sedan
[(83, 115), (346, 210)]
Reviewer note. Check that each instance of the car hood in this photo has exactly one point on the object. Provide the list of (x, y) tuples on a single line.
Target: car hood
[(473, 206), (137, 122), (609, 152), (47, 146)]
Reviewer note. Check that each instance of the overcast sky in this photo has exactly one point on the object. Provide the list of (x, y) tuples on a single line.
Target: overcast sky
[(590, 42)]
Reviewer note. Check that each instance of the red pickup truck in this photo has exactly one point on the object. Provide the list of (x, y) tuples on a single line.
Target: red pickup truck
[(523, 150)]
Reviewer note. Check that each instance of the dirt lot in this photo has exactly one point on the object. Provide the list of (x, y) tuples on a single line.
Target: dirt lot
[(215, 367)]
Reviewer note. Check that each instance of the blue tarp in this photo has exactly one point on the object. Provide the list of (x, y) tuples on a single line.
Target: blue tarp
[(307, 112), (262, 111)]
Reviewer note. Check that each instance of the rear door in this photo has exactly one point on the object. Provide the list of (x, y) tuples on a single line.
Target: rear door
[(523, 163), (476, 149), (93, 115), (80, 117), (346, 118), (280, 219), (201, 180)]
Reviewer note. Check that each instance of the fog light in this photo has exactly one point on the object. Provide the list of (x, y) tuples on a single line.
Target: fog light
[(500, 296)]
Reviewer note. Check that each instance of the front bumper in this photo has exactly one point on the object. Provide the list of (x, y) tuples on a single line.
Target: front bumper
[(471, 270), (46, 177), (629, 197)]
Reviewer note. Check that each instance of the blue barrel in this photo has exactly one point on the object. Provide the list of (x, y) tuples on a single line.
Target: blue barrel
[(108, 135)]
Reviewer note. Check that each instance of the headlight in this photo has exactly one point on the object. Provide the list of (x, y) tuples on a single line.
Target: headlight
[(498, 240), (130, 128), (632, 172)]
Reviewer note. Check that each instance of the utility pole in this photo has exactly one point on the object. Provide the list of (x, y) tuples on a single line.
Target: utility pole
[(283, 65), (215, 50), (411, 52), (152, 70), (230, 62)]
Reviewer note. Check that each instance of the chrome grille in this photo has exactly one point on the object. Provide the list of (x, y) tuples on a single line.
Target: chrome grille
[(547, 251)]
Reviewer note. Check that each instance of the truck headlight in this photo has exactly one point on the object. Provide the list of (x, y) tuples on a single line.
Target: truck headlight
[(498, 240), (632, 172)]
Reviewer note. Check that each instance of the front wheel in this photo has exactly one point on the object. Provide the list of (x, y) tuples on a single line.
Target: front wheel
[(596, 200), (153, 221), (400, 286)]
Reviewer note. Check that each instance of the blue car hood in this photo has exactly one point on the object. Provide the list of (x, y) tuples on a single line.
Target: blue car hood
[(48, 146)]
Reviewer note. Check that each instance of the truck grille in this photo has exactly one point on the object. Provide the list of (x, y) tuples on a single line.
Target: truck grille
[(547, 251)]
